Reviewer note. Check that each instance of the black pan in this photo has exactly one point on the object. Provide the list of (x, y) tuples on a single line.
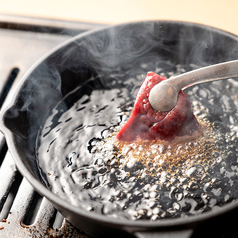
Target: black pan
[(98, 53)]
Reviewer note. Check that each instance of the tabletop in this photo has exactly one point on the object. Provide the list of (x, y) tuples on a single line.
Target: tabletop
[(218, 13)]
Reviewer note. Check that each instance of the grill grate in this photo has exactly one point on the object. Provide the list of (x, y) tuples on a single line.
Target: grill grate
[(24, 213)]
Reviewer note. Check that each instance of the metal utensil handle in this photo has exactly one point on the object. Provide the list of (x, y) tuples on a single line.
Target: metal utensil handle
[(210, 73), (163, 96)]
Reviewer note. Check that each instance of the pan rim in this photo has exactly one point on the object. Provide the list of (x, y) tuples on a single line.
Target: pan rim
[(39, 187)]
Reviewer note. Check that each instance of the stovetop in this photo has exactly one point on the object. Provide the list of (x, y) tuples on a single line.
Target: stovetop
[(23, 212)]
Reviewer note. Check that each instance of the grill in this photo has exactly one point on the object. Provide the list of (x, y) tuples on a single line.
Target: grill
[(23, 212)]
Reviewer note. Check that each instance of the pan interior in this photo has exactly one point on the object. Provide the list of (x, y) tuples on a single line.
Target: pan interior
[(81, 162)]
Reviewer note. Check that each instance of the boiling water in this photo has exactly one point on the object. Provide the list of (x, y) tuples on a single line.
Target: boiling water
[(82, 162)]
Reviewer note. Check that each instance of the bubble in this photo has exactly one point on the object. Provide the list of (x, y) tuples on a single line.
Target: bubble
[(143, 180)]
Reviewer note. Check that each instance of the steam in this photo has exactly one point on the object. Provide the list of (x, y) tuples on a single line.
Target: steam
[(100, 60)]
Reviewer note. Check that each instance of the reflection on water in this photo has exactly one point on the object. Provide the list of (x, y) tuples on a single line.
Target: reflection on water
[(83, 163)]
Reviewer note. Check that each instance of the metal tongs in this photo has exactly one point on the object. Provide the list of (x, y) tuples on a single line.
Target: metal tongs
[(163, 96)]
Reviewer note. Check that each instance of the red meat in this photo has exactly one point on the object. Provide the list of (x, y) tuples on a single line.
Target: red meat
[(146, 123)]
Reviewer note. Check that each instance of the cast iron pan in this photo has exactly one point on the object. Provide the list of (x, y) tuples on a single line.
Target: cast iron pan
[(73, 62)]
